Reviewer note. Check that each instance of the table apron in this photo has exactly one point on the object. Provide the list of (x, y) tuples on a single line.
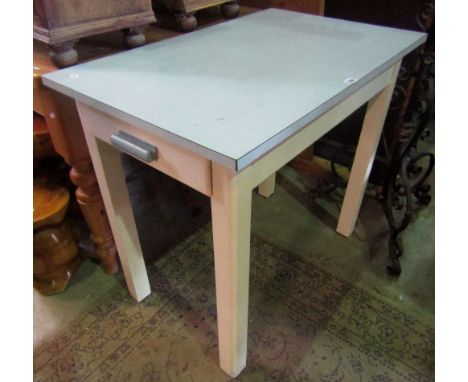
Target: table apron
[(195, 170), (175, 161)]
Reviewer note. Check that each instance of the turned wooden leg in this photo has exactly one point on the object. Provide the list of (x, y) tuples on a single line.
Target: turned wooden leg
[(63, 54), (133, 37), (89, 198), (186, 22), (230, 10), (63, 123)]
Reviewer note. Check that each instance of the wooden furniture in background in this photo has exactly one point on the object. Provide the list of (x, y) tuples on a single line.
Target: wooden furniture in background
[(56, 254), (60, 116), (42, 143), (315, 7), (184, 10), (60, 23)]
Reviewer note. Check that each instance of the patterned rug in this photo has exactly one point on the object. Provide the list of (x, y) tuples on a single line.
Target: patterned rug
[(305, 324)]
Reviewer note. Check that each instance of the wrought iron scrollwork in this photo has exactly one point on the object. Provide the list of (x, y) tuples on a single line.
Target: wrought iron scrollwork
[(404, 190), (405, 186), (401, 171)]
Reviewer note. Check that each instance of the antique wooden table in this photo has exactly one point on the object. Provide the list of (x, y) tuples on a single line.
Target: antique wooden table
[(221, 110), (59, 115)]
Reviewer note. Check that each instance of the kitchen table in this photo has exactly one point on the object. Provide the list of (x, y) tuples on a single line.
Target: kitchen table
[(221, 110)]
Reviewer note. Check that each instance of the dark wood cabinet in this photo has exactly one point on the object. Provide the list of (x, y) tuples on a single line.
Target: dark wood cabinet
[(315, 7), (60, 23)]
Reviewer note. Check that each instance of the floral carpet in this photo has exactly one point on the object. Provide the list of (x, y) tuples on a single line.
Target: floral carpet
[(305, 324)]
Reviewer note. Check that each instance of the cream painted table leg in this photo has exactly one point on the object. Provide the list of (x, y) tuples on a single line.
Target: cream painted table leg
[(368, 141), (111, 179), (267, 187), (231, 205)]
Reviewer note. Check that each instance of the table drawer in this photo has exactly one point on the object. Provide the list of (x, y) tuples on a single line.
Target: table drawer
[(177, 162)]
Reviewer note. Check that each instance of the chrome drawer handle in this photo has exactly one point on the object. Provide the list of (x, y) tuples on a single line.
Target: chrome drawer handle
[(134, 146)]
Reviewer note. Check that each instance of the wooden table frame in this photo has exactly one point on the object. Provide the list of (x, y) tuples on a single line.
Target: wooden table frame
[(63, 123), (231, 198)]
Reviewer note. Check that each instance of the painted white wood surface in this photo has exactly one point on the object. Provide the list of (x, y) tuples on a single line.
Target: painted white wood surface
[(364, 158), (267, 187), (235, 90), (111, 179), (231, 205)]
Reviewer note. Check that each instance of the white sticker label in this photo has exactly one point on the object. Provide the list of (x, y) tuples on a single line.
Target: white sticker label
[(350, 81)]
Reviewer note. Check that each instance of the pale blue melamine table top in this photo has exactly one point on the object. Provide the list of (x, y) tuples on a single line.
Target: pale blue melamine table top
[(233, 91)]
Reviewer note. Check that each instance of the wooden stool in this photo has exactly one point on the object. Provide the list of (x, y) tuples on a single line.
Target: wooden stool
[(55, 248)]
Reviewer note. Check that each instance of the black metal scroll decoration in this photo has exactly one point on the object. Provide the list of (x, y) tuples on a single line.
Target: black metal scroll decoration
[(405, 187)]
